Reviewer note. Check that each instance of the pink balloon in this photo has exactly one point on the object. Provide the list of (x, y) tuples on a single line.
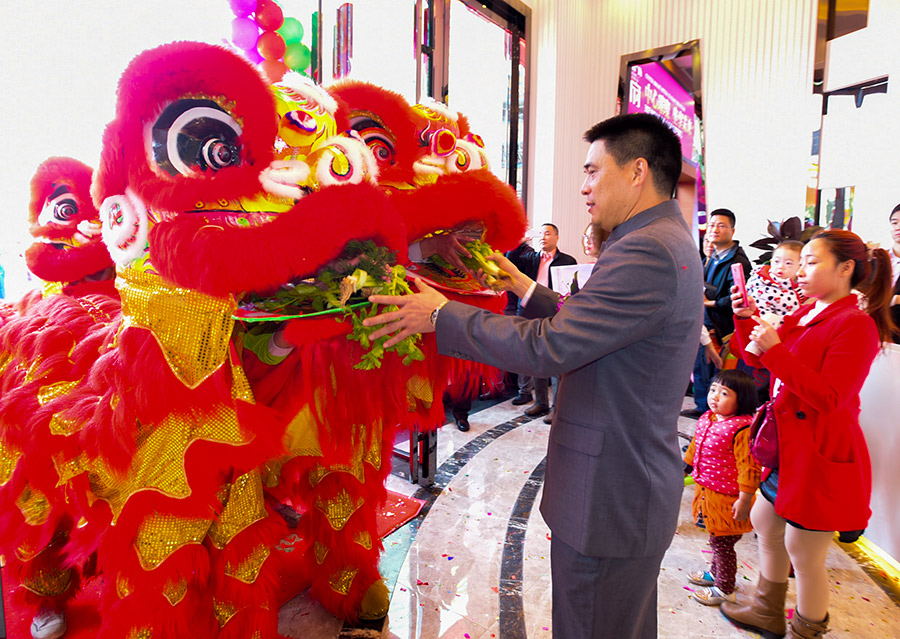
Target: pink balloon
[(253, 55), (244, 33), (242, 8)]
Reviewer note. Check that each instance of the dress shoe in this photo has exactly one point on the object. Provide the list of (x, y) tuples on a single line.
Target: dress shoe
[(537, 410), (462, 423), (692, 413), (522, 398), (548, 418)]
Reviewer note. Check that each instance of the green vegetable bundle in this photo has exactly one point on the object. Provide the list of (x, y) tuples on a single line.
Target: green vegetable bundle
[(479, 251), (363, 269)]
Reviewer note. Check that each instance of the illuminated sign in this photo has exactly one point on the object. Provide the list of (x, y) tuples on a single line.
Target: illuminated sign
[(653, 90)]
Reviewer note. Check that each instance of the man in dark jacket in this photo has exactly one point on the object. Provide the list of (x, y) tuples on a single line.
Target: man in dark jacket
[(717, 316), (538, 266)]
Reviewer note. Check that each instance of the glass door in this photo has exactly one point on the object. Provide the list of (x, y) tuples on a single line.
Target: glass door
[(486, 79)]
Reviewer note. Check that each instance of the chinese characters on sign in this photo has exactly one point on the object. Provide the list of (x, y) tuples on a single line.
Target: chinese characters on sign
[(653, 90)]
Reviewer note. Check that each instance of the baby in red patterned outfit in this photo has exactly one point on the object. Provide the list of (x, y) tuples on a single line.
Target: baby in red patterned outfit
[(773, 286)]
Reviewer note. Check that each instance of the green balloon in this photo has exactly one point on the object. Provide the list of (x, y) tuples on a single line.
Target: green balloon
[(291, 31), (296, 56)]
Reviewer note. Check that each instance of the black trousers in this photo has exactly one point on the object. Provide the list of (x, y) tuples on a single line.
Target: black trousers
[(602, 598)]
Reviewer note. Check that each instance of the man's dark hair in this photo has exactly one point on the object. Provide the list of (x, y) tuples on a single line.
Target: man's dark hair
[(724, 213), (551, 225), (642, 135), (894, 210)]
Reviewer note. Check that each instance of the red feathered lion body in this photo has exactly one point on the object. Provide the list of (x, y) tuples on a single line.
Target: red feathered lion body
[(178, 435)]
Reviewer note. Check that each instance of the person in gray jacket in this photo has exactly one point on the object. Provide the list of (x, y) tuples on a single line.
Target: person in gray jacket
[(624, 346)]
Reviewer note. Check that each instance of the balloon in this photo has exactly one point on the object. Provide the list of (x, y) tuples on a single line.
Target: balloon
[(291, 30), (244, 33), (274, 69), (242, 8), (253, 55), (297, 56), (269, 15), (271, 46)]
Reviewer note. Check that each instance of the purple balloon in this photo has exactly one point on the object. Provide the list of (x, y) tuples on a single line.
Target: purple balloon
[(242, 8), (244, 33), (253, 55)]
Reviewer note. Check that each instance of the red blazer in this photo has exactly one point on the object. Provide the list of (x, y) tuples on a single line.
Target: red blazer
[(824, 475)]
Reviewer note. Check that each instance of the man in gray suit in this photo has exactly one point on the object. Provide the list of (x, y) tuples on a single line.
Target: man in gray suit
[(623, 346)]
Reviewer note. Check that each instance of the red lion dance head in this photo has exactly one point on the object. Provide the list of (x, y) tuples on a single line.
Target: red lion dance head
[(66, 227)]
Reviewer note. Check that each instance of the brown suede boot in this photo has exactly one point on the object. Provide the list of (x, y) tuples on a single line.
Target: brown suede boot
[(764, 612), (803, 629)]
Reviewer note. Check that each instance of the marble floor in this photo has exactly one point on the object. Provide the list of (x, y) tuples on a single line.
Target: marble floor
[(475, 563)]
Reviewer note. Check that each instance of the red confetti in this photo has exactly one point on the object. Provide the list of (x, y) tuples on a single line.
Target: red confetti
[(419, 582), (497, 590)]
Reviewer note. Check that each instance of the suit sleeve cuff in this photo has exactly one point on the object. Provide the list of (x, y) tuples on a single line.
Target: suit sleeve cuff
[(528, 294)]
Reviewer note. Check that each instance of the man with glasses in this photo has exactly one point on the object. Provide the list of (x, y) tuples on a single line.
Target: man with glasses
[(717, 316)]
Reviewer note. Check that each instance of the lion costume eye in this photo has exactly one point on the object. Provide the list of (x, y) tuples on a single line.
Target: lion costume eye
[(192, 136), (376, 138), (59, 207)]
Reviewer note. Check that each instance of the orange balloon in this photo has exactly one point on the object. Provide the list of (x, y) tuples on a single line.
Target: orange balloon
[(269, 15), (271, 46), (273, 69)]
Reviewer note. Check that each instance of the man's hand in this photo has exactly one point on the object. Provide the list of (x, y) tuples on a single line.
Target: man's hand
[(412, 316), (712, 356), (517, 282), (448, 246)]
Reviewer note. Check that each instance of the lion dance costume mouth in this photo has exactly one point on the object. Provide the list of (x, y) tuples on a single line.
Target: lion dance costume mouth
[(173, 430)]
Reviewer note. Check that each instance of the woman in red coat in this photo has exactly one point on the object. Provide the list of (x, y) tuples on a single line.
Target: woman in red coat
[(818, 361)]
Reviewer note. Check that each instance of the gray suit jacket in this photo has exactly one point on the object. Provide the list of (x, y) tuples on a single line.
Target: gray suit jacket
[(624, 346)]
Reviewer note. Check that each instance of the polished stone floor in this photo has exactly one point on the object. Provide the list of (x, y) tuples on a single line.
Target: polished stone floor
[(475, 563)]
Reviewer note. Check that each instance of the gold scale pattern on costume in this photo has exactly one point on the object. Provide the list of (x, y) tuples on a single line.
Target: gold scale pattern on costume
[(48, 582), (34, 506), (224, 611), (419, 388), (159, 536), (158, 463), (341, 580), (339, 510), (175, 591), (192, 329), (9, 458), (59, 425), (247, 570), (67, 468), (370, 454), (244, 506)]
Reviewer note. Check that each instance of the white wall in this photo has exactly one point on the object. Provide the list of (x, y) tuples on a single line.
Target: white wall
[(61, 62), (757, 59), (859, 146)]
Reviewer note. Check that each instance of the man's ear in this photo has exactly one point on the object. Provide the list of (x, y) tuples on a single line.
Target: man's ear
[(640, 171)]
